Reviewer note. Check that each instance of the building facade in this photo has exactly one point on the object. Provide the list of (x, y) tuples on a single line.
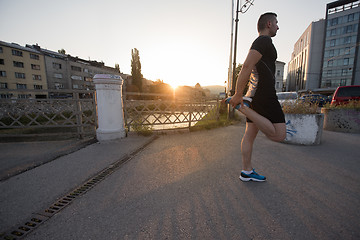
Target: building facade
[(21, 68), (341, 62), (305, 65), (326, 55), (68, 72), (279, 76), (32, 67)]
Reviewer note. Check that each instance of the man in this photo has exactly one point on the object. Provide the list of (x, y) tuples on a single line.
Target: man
[(260, 104)]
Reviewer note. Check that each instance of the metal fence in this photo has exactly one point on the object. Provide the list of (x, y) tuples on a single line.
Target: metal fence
[(73, 112), (163, 112), (56, 113)]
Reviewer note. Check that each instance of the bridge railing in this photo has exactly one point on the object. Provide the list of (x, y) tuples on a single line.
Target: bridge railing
[(56, 113), (163, 112)]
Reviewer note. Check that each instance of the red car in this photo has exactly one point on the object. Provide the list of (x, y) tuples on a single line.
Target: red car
[(345, 94)]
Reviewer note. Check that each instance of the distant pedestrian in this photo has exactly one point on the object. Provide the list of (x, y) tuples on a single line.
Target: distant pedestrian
[(260, 104)]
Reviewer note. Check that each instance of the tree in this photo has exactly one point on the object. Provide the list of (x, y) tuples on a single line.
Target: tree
[(117, 67), (237, 71), (136, 69)]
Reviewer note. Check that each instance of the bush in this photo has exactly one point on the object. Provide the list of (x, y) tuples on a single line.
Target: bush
[(299, 107), (348, 105)]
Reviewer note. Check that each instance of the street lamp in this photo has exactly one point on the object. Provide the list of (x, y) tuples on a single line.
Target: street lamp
[(244, 8)]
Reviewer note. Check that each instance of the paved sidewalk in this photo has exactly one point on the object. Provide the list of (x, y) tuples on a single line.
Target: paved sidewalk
[(186, 186), (32, 191), (18, 157)]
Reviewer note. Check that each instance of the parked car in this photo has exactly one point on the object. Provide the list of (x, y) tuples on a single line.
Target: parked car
[(289, 97), (344, 94), (319, 99)]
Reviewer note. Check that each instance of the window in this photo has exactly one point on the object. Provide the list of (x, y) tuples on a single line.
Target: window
[(350, 17), (331, 53), (20, 75), (333, 32), (329, 73), (332, 43), (34, 56), (347, 50), (17, 53), (347, 40), (344, 72), (76, 78), (36, 77), (38, 86), (346, 61), (278, 73), (2, 61), (5, 96), (21, 86), (35, 67), (58, 75), (59, 86), (56, 65), (1, 50), (330, 63), (333, 21), (2, 74), (75, 86), (18, 64), (24, 96), (3, 86), (74, 68)]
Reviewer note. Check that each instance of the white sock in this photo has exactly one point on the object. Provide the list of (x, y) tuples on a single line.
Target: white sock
[(247, 172)]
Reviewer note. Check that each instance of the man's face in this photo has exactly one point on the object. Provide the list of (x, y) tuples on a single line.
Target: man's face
[(274, 27)]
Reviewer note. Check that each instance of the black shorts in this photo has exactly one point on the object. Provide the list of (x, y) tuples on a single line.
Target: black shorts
[(268, 108)]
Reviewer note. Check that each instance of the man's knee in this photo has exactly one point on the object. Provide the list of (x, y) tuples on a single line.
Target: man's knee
[(278, 138)]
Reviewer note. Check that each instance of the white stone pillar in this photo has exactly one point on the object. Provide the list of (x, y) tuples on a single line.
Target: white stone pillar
[(109, 107)]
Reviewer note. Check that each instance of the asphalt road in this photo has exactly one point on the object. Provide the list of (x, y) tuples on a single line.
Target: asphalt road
[(186, 186)]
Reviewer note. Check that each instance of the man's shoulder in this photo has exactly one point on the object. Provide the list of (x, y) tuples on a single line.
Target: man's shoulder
[(263, 38)]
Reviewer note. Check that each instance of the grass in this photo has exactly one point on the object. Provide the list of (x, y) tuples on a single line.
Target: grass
[(208, 122)]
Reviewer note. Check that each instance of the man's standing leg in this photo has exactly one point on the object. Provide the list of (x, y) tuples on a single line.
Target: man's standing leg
[(247, 143), (248, 173)]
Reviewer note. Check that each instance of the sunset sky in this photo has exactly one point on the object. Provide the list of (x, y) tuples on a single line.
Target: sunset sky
[(180, 42)]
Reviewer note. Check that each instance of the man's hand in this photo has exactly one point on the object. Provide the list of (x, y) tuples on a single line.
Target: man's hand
[(236, 100)]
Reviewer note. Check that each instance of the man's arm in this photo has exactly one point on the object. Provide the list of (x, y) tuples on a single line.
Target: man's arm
[(251, 60)]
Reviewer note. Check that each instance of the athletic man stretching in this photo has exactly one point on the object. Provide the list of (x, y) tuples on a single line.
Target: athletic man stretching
[(265, 113)]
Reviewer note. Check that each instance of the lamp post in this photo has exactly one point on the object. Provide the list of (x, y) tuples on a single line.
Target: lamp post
[(244, 8)]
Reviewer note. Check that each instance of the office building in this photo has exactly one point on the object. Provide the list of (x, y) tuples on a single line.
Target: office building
[(341, 62), (305, 65), (326, 55)]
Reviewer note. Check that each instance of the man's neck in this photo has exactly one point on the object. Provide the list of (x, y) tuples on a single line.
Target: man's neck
[(264, 33)]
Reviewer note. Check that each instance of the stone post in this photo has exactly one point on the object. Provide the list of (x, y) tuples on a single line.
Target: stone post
[(109, 107)]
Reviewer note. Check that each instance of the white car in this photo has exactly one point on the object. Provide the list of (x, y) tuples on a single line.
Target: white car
[(289, 97)]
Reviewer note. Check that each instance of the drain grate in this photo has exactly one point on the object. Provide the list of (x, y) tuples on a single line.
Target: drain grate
[(41, 217)]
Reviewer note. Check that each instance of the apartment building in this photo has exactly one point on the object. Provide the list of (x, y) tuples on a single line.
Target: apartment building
[(21, 68), (305, 65), (279, 75), (341, 61), (68, 72)]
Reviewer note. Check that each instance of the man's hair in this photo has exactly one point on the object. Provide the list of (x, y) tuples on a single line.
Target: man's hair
[(263, 20)]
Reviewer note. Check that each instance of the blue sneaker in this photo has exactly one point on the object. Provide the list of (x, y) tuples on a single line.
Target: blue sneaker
[(246, 101), (254, 176)]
